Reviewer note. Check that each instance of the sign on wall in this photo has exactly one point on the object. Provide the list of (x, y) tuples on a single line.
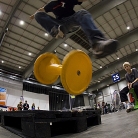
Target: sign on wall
[(2, 96), (116, 77)]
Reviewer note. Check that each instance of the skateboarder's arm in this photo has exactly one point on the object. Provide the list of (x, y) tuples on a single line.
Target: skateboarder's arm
[(135, 72), (47, 8), (41, 9), (135, 80)]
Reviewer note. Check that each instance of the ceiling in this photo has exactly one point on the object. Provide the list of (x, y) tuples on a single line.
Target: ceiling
[(111, 17)]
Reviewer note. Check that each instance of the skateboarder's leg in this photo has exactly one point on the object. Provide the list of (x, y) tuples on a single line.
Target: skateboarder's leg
[(101, 46), (50, 24)]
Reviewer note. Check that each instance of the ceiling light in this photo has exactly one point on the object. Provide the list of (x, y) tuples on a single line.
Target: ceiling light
[(29, 54), (21, 22), (65, 45), (19, 67), (117, 57), (100, 67), (136, 49), (46, 34), (98, 81), (128, 28), (2, 61)]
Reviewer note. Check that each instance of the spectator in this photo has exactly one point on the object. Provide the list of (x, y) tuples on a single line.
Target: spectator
[(103, 107), (20, 106), (106, 108), (33, 106), (25, 106), (98, 105)]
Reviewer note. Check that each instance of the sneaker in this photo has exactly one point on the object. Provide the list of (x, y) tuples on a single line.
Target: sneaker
[(56, 32), (103, 48), (130, 107)]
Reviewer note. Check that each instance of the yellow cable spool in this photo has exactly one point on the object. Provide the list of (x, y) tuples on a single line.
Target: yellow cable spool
[(75, 72)]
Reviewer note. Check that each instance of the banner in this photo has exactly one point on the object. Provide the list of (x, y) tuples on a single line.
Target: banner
[(116, 99), (2, 96)]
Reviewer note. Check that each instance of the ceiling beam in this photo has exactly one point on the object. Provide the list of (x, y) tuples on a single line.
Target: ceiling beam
[(5, 28), (104, 7)]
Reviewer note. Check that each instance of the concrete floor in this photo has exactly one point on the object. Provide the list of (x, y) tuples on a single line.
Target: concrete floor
[(115, 125)]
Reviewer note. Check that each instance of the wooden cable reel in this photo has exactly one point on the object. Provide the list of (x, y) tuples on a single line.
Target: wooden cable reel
[(75, 72)]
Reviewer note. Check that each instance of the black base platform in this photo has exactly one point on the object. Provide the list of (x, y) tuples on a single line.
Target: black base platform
[(45, 124)]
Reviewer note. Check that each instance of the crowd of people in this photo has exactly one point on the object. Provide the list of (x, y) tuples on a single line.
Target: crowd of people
[(21, 107), (25, 106), (109, 108)]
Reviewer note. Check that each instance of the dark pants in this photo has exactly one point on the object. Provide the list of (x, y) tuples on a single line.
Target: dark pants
[(81, 19), (125, 90)]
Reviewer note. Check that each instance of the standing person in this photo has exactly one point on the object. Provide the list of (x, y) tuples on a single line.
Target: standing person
[(98, 105), (132, 82), (25, 106), (103, 107), (67, 20), (106, 108), (20, 106), (33, 106)]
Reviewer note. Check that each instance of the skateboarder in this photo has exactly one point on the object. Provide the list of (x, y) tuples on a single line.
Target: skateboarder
[(67, 20)]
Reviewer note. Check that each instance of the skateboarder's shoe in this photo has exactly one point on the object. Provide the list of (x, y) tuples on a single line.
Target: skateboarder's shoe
[(57, 32), (102, 48), (130, 107)]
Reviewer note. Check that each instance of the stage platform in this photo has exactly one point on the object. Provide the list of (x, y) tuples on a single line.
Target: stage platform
[(114, 125), (45, 124)]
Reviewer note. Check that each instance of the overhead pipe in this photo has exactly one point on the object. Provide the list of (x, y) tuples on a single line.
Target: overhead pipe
[(3, 35)]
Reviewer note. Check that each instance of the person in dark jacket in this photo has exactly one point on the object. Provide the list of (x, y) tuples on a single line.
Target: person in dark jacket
[(25, 106)]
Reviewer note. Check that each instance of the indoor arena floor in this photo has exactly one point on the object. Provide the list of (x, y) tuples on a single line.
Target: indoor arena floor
[(114, 125)]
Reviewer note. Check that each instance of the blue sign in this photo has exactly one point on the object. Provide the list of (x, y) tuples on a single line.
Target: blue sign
[(116, 77), (2, 89)]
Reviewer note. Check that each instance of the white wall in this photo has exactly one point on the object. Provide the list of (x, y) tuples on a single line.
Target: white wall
[(40, 100), (86, 100), (122, 84), (108, 91), (14, 91), (100, 99), (107, 95)]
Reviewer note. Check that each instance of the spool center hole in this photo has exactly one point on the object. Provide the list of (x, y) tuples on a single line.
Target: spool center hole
[(78, 73)]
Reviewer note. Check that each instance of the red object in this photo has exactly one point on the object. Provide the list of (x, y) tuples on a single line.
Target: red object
[(131, 98)]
